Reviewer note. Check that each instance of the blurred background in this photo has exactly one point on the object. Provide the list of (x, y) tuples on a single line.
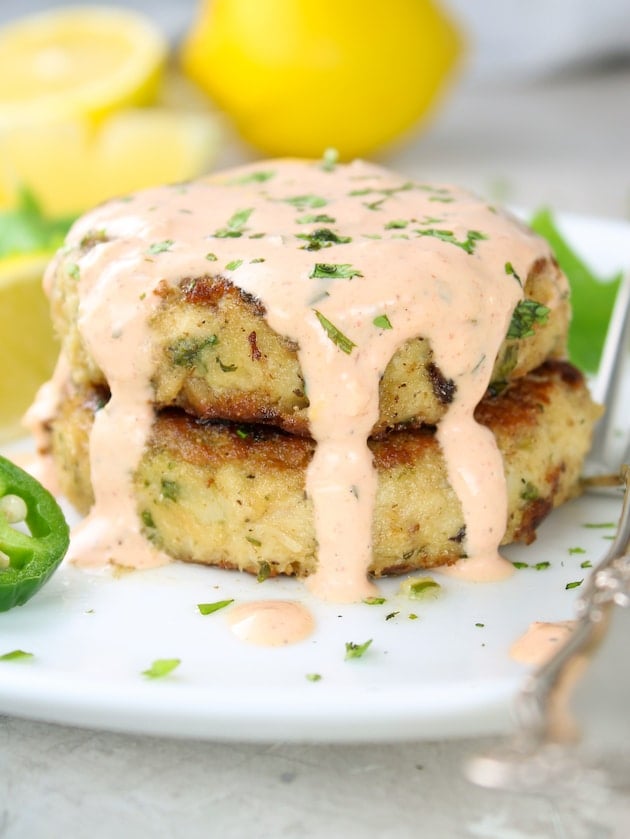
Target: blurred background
[(524, 103)]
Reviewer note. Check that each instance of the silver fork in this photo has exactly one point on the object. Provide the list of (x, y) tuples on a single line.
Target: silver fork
[(547, 747)]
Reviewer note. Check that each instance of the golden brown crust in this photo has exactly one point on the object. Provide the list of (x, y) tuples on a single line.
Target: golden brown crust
[(234, 496)]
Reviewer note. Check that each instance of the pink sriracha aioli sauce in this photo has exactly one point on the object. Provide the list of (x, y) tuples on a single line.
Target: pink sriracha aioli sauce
[(541, 641), (432, 261), (271, 623)]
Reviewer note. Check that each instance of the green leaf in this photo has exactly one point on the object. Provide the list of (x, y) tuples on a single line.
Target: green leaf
[(382, 322), (574, 584), (374, 600), (303, 202), (235, 226), (232, 266), (161, 667), (323, 237), (468, 244), (160, 247), (592, 297), (209, 608), (26, 229), (338, 338)]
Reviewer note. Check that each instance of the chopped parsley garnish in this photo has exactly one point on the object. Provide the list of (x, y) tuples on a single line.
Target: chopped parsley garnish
[(356, 650), (586, 564), (257, 260), (396, 224), (320, 218), (235, 226), (264, 571), (211, 257), (391, 615), (186, 352), (15, 655), (574, 584), (598, 525), (338, 338), (468, 244), (529, 492), (323, 237), (525, 315), (73, 270), (302, 202), (253, 541), (232, 266), (417, 588), (374, 600), (541, 566), (509, 270), (225, 368), (160, 247), (259, 177), (314, 677), (170, 489), (480, 625), (576, 551), (209, 608), (161, 667), (331, 271), (382, 322)]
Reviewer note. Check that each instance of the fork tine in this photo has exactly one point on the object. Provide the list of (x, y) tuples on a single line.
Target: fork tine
[(608, 388)]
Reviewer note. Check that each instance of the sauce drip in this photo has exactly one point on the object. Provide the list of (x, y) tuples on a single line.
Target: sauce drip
[(271, 623), (541, 641), (423, 260)]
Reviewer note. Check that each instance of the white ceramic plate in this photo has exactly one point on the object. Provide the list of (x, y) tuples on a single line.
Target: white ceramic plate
[(447, 673)]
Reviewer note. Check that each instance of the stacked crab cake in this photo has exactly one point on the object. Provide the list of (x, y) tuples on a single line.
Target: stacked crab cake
[(224, 326)]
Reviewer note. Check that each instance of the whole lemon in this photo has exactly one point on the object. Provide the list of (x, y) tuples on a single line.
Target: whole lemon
[(299, 76)]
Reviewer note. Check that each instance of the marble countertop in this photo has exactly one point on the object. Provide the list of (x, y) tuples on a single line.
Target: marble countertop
[(562, 142)]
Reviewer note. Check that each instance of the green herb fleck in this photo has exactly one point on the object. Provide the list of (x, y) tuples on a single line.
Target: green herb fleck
[(391, 615), (396, 224), (259, 177), (338, 338), (73, 270), (525, 315), (417, 588), (314, 677), (412, 616), (382, 322), (599, 525), (468, 244), (160, 247), (226, 368), (170, 489), (186, 352), (232, 266), (541, 566), (257, 260), (374, 600), (586, 564), (356, 650), (480, 625), (574, 584), (240, 432), (323, 237), (235, 226), (264, 571), (256, 542), (147, 519), (211, 257), (331, 271), (209, 608), (509, 270), (529, 492), (520, 565), (15, 655), (161, 667), (302, 202), (573, 551), (320, 218)]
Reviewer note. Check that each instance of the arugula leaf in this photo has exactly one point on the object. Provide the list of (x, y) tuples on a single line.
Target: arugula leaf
[(592, 297), (26, 229)]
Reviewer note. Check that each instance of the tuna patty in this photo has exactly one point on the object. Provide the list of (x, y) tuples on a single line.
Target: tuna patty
[(234, 496)]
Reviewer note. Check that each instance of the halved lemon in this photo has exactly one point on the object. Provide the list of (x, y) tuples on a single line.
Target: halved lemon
[(84, 61), (28, 349)]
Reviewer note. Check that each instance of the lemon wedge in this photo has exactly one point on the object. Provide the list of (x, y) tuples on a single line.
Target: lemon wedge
[(84, 61), (28, 350)]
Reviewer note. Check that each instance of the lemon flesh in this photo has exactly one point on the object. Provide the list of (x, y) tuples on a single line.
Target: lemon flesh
[(28, 350), (297, 78), (86, 61)]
